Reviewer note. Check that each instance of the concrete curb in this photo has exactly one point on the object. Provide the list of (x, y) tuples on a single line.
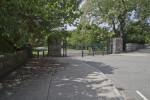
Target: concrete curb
[(115, 90), (113, 87)]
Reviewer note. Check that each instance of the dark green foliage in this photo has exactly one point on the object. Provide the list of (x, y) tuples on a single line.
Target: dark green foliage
[(55, 35), (138, 34), (30, 21), (86, 35), (118, 14), (5, 47)]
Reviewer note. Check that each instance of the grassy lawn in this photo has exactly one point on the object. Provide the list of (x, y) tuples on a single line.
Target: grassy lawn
[(46, 53), (35, 53)]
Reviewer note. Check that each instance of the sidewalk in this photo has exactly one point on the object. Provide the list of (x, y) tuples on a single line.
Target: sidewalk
[(74, 81)]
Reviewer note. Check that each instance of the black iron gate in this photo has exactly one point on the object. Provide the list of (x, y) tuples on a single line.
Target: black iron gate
[(82, 49)]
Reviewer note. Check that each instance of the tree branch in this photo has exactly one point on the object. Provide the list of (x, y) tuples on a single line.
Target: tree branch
[(114, 27)]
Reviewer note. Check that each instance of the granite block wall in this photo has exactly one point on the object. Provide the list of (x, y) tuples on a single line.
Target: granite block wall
[(54, 49), (130, 47), (11, 61), (117, 45)]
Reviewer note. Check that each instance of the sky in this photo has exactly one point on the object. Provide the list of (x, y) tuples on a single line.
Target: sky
[(70, 28)]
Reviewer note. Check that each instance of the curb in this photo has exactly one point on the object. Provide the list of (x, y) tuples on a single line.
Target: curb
[(115, 90), (113, 87), (118, 95)]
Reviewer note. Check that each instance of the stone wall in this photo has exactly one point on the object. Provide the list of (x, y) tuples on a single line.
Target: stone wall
[(54, 49), (117, 45), (9, 62), (130, 47)]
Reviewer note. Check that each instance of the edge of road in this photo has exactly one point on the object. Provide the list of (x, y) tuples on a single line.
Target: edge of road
[(113, 87), (115, 90)]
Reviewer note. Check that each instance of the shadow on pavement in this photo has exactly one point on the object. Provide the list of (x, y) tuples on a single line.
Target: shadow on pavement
[(80, 82), (33, 70), (75, 81), (106, 69)]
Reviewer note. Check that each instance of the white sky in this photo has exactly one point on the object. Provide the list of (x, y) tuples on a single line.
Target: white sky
[(70, 28)]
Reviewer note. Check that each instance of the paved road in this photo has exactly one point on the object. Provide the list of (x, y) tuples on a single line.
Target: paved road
[(79, 81), (57, 79), (130, 73)]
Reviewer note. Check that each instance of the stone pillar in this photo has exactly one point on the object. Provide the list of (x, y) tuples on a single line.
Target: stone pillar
[(117, 45), (54, 49)]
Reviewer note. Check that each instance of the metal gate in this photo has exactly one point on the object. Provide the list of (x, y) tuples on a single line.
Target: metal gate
[(82, 49)]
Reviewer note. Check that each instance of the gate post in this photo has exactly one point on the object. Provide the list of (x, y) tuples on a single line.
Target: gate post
[(93, 50), (54, 49), (103, 51), (108, 46), (117, 44), (64, 48), (82, 53)]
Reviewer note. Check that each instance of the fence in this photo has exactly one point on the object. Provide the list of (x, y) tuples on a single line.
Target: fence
[(82, 49)]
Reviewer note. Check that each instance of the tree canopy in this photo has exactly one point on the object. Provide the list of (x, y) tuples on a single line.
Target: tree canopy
[(23, 21), (118, 14), (138, 34), (88, 34)]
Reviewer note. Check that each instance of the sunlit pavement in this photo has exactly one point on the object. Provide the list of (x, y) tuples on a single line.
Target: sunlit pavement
[(57, 79), (79, 81), (129, 72), (30, 82)]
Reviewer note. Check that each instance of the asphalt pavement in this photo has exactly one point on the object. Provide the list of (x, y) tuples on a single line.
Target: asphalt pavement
[(80, 81), (87, 78), (129, 72), (57, 79)]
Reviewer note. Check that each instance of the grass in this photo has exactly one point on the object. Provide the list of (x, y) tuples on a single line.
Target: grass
[(34, 53), (46, 53)]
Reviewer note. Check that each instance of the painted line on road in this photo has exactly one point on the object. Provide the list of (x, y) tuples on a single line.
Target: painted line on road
[(139, 93)]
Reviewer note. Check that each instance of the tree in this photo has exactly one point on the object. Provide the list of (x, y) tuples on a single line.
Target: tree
[(118, 13), (23, 21), (138, 34), (87, 34)]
